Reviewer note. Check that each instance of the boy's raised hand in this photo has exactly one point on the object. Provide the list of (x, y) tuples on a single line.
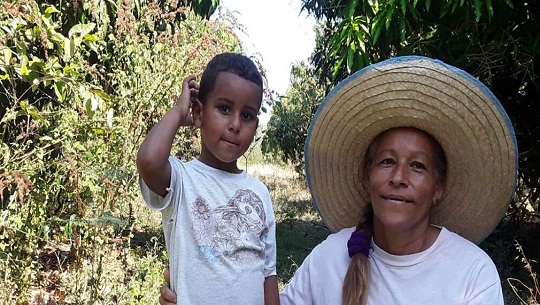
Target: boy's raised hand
[(189, 95)]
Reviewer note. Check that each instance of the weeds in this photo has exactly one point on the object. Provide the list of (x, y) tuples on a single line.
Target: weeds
[(526, 293)]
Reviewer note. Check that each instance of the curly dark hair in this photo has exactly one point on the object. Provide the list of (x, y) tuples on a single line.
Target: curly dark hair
[(228, 62)]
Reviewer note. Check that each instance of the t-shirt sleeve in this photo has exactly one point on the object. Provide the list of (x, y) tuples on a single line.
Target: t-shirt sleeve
[(487, 284), (269, 240), (298, 290), (155, 201), (492, 295)]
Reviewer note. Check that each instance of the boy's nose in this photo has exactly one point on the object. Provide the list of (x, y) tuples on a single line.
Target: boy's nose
[(234, 123)]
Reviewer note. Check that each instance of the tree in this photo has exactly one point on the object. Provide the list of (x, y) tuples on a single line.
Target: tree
[(288, 126), (494, 40), (80, 84)]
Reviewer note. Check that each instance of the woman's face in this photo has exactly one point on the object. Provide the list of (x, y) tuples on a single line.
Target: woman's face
[(402, 181)]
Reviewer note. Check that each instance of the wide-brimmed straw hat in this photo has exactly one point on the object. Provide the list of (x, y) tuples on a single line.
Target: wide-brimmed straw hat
[(412, 91)]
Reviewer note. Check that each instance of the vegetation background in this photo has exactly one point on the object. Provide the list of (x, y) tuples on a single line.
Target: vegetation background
[(82, 81)]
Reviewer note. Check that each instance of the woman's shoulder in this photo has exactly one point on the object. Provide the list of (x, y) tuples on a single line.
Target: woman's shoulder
[(453, 242), (335, 242)]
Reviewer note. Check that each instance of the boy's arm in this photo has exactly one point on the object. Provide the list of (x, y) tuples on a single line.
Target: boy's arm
[(271, 291), (153, 156)]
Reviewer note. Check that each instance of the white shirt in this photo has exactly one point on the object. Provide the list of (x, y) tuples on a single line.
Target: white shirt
[(219, 232), (452, 271)]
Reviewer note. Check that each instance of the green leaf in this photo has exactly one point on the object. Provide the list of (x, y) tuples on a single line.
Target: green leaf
[(8, 54), (101, 94), (389, 17), (81, 29), (377, 28), (403, 7), (59, 90), (51, 9), (402, 28), (509, 3), (69, 48), (428, 5), (350, 60), (489, 6), (337, 65), (478, 9), (351, 8), (34, 113)]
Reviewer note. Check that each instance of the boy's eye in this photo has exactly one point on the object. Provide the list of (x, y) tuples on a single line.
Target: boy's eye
[(224, 109), (248, 116)]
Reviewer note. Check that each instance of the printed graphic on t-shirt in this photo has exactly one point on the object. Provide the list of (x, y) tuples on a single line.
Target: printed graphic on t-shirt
[(231, 231)]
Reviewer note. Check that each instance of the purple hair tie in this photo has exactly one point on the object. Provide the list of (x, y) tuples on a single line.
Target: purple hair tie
[(359, 242)]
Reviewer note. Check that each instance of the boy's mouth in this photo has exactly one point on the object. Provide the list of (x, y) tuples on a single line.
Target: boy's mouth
[(230, 142)]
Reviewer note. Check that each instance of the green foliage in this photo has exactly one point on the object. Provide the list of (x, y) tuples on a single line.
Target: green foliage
[(494, 40), (288, 127), (81, 84)]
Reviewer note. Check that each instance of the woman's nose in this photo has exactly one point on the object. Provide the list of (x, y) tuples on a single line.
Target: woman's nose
[(399, 176)]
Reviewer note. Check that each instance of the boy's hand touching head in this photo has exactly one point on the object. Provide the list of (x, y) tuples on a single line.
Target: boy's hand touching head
[(183, 103)]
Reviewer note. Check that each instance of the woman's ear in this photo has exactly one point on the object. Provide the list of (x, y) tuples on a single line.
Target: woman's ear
[(196, 112), (364, 174), (438, 193)]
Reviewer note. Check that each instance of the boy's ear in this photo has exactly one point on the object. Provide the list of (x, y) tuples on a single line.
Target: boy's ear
[(196, 112)]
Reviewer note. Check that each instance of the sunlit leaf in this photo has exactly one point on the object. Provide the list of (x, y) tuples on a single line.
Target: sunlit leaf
[(51, 9), (7, 56), (69, 47), (59, 90), (81, 29), (110, 114)]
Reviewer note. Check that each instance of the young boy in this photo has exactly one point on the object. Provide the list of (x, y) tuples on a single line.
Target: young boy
[(218, 221)]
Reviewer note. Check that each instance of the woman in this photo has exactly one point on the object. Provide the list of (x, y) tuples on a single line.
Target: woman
[(411, 162)]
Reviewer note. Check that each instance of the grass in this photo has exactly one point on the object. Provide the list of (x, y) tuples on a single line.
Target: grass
[(128, 269)]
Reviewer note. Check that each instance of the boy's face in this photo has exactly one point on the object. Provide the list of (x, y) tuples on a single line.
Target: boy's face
[(228, 120)]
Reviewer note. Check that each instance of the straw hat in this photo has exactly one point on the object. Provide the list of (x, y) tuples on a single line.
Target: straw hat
[(459, 111)]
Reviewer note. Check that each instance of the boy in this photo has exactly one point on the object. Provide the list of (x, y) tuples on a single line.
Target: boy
[(218, 221)]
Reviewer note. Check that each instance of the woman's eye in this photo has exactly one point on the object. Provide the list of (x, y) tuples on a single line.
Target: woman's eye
[(387, 161), (418, 165)]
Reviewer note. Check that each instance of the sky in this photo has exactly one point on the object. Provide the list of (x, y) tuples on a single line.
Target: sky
[(276, 30)]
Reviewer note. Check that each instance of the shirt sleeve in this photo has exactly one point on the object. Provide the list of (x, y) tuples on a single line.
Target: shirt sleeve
[(269, 240), (492, 295), (298, 290), (155, 201)]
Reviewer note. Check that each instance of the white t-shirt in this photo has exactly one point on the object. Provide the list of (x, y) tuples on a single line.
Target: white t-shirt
[(219, 232), (452, 271)]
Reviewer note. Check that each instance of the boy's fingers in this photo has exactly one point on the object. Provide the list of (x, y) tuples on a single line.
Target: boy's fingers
[(167, 276), (167, 297)]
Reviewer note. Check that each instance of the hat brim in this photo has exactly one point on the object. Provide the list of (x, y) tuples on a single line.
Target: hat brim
[(412, 91)]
